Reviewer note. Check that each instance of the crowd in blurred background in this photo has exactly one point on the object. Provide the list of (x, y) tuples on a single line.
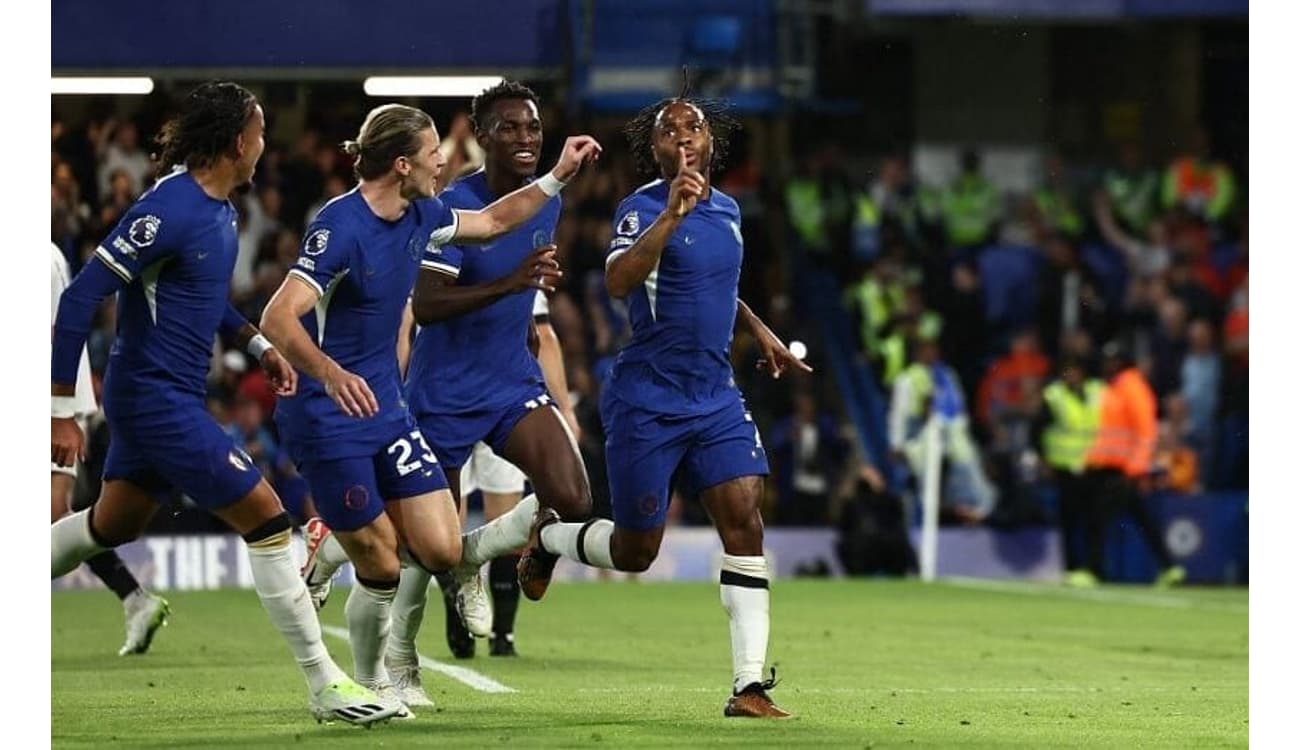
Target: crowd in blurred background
[(1004, 289)]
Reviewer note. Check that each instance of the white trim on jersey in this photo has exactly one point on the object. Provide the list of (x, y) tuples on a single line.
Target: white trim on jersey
[(304, 276), (103, 254), (434, 265), (652, 288), (323, 304), (610, 258), (444, 235), (149, 282)]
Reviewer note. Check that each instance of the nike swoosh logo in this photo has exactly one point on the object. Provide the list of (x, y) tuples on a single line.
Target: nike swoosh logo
[(201, 256)]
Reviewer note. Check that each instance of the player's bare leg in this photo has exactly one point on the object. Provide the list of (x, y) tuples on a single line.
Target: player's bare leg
[(562, 491), (261, 520), (734, 508)]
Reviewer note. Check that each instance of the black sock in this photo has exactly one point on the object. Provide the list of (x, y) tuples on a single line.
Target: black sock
[(505, 593), (110, 569)]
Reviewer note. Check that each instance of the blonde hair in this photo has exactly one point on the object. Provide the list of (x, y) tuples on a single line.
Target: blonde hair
[(390, 131)]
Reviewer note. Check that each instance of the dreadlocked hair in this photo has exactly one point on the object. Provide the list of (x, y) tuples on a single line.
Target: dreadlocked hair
[(211, 118), (640, 131), (481, 107)]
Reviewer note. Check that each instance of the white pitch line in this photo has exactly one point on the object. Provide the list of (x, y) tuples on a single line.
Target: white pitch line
[(480, 682), (1102, 595)]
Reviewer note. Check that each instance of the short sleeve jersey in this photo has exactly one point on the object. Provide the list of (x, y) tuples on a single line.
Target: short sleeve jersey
[(176, 249), (684, 314), (479, 360), (363, 267)]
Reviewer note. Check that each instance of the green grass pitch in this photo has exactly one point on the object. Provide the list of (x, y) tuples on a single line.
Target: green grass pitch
[(862, 663)]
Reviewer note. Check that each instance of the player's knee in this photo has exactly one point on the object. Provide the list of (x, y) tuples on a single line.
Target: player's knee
[(573, 503), (743, 535), (637, 559), (442, 555)]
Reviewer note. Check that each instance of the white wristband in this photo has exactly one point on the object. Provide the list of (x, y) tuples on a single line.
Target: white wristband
[(258, 346), (550, 184), (63, 407)]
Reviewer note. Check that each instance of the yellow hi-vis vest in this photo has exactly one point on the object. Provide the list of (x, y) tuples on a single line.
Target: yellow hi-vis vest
[(1074, 424)]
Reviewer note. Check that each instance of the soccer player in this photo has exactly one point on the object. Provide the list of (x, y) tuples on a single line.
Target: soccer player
[(671, 409), (145, 612), (170, 261), (375, 480)]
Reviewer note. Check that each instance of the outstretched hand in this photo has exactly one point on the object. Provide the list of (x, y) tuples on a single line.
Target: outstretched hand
[(776, 357), (578, 151)]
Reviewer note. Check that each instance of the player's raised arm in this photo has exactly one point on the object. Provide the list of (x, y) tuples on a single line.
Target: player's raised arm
[(515, 208), (629, 263)]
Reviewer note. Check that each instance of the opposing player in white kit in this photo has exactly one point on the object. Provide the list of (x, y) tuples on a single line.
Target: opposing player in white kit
[(145, 612)]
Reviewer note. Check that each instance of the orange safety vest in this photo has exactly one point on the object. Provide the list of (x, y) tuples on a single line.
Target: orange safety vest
[(1126, 434)]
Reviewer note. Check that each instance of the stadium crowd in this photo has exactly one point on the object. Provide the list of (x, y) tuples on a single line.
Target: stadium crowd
[(1006, 290)]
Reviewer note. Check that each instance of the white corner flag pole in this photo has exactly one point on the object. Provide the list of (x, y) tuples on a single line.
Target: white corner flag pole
[(930, 486)]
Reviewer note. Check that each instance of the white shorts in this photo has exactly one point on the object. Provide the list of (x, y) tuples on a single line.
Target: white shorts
[(489, 472)]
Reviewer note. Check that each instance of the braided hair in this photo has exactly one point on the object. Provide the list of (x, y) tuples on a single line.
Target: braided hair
[(640, 129), (212, 116)]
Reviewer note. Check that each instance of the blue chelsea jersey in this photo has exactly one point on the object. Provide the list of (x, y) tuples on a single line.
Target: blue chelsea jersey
[(364, 269), (176, 249), (684, 314), (479, 360)]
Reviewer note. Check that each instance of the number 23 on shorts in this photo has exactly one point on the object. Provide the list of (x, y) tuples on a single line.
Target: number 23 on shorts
[(402, 448)]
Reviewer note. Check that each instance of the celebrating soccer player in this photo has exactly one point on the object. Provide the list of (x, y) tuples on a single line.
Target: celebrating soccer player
[(375, 479), (671, 407), (170, 260)]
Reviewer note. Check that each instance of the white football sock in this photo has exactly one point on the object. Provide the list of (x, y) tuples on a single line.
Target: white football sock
[(331, 556), (368, 613), (408, 614), (502, 535), (745, 597), (71, 543), (287, 604), (562, 539)]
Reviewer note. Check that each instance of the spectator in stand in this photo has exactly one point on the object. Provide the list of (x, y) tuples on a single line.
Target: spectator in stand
[(1119, 463), (123, 152), (1199, 184), (1069, 296), (1232, 465), (1003, 387), (1177, 467), (335, 186), (1131, 188), (965, 331), (971, 206), (1168, 348), (1144, 257), (1066, 428), (1055, 202), (929, 389), (1202, 379), (877, 300), (808, 457)]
